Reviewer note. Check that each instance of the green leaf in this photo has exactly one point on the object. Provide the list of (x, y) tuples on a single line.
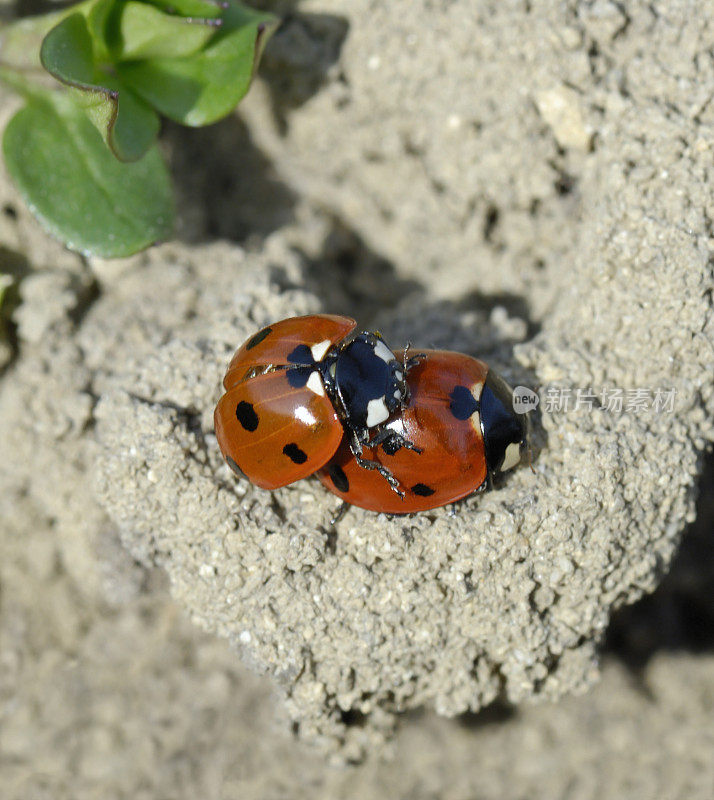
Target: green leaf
[(67, 52), (206, 86), (197, 9), (146, 32), (78, 190), (127, 123), (101, 22)]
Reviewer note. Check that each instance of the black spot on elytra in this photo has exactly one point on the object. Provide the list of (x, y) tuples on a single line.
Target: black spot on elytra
[(298, 376), (246, 415), (422, 490), (337, 474), (294, 453), (301, 355), (462, 404), (232, 464), (258, 338)]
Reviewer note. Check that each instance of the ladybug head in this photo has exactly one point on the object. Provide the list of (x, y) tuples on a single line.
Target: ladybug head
[(505, 432), (367, 381)]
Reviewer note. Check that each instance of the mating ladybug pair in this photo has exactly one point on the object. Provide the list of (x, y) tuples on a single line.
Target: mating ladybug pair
[(387, 432)]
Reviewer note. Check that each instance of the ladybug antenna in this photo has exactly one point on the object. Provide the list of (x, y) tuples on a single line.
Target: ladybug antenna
[(411, 361)]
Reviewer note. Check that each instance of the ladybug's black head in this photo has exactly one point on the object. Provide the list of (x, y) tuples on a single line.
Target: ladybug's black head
[(505, 433), (366, 380)]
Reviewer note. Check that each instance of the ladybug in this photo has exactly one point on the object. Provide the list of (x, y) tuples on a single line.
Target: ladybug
[(389, 433), (461, 421), (299, 389)]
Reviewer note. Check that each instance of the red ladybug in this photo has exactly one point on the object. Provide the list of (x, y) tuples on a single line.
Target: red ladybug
[(460, 417), (308, 395), (298, 388)]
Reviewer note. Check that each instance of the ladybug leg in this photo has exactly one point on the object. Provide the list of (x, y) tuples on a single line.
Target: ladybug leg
[(411, 361), (365, 463), (340, 513), (392, 441)]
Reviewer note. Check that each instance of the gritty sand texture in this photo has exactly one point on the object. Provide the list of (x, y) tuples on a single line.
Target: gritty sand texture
[(117, 695), (529, 185)]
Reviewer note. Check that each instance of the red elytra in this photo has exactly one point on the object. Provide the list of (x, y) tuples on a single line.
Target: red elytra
[(311, 395), (267, 429), (274, 343), (452, 464)]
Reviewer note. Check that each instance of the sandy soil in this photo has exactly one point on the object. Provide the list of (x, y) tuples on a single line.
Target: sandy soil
[(527, 183)]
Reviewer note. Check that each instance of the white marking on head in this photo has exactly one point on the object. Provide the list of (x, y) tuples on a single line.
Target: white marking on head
[(376, 412), (476, 390), (382, 351), (512, 457), (314, 383), (318, 350), (397, 394), (475, 420), (305, 416), (398, 375)]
